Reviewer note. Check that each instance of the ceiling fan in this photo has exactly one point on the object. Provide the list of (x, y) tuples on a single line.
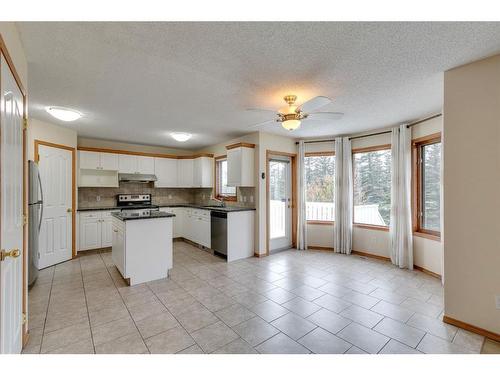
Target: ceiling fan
[(292, 115)]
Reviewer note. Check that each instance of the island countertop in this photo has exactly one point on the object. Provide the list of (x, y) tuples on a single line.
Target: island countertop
[(150, 214)]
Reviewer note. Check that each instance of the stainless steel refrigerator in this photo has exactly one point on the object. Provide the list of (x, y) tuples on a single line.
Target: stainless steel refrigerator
[(35, 208)]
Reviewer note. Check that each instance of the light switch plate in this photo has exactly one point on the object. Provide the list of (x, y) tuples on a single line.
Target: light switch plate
[(497, 300)]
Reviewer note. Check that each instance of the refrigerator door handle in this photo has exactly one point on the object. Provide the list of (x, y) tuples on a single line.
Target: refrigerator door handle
[(41, 194)]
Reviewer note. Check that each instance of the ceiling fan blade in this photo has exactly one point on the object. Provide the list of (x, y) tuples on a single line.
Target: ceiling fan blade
[(261, 110), (325, 116), (262, 123), (314, 104)]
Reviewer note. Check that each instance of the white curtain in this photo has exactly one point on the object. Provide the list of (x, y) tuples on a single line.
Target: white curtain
[(401, 227), (301, 222), (342, 234)]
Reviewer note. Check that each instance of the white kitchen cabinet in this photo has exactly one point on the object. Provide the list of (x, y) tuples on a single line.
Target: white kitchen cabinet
[(127, 163), (240, 165), (95, 230), (98, 160), (166, 172), (90, 231), (109, 161), (89, 160), (136, 164), (185, 172), (203, 172), (145, 165), (177, 220)]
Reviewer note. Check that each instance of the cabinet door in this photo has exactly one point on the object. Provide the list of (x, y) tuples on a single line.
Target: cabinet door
[(127, 163), (145, 165), (166, 172), (118, 253), (203, 172), (185, 172), (234, 167), (106, 230), (89, 159), (206, 234), (90, 231), (109, 162), (197, 174)]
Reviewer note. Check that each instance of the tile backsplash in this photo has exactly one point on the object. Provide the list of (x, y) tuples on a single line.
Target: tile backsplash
[(106, 197)]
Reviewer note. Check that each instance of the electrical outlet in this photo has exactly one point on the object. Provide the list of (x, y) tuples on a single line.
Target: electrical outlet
[(170, 196), (98, 198), (497, 300), (251, 198)]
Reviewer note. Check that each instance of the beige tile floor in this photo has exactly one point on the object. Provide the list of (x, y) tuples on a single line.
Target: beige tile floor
[(290, 302)]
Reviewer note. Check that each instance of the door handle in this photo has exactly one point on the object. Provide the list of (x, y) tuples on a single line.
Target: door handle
[(115, 230), (69, 210), (14, 253)]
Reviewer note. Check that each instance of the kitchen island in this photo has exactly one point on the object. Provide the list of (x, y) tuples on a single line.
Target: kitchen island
[(142, 245)]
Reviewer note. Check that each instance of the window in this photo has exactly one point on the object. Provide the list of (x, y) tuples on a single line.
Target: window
[(372, 186), (222, 191), (320, 172), (427, 186)]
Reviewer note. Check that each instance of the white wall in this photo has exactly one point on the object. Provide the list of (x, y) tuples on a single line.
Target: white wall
[(12, 40), (427, 253), (45, 131), (471, 193)]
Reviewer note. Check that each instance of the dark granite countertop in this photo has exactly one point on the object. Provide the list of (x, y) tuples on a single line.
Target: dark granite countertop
[(187, 205), (151, 214)]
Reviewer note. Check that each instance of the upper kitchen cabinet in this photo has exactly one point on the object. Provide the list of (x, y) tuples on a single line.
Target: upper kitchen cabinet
[(240, 164), (136, 164), (166, 172), (97, 169), (98, 160), (185, 169), (203, 172)]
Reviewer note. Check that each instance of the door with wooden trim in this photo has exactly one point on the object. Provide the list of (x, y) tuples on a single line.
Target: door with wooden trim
[(280, 203), (56, 232), (11, 211)]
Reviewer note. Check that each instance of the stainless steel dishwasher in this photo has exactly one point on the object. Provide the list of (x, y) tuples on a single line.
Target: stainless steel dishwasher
[(218, 229)]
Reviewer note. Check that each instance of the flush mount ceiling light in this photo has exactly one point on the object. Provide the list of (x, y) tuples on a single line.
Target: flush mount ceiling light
[(64, 114), (181, 137)]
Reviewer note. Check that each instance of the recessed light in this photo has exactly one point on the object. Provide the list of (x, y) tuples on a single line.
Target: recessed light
[(64, 114), (181, 137)]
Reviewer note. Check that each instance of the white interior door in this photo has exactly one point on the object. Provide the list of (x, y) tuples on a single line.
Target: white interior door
[(279, 200), (55, 165), (11, 206)]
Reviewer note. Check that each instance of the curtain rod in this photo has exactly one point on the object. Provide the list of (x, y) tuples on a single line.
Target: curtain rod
[(378, 133)]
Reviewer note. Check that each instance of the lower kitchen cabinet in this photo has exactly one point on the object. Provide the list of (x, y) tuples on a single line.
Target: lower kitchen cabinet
[(191, 223), (95, 230)]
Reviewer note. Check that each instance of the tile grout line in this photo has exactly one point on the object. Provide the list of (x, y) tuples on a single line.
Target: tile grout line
[(126, 307), (87, 306), (47, 310)]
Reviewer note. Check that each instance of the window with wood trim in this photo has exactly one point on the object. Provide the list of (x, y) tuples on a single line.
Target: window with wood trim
[(427, 185), (320, 176), (372, 186), (222, 191)]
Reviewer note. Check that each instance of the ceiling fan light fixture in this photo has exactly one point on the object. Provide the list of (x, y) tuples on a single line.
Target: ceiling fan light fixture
[(181, 137), (291, 125)]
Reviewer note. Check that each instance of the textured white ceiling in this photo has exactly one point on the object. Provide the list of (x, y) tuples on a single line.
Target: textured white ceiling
[(136, 82)]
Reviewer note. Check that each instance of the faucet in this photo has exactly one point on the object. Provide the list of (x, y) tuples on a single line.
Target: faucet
[(221, 202)]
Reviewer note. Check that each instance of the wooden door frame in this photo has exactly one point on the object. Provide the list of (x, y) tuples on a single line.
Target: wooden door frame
[(38, 143), (24, 309), (293, 167)]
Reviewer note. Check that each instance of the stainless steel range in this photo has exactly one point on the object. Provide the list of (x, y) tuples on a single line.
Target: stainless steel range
[(135, 202)]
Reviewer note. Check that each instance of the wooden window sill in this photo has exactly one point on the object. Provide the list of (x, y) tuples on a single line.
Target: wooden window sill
[(320, 222), (227, 199), (372, 227), (427, 236)]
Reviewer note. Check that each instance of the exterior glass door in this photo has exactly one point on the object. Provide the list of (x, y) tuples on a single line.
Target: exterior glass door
[(279, 200)]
